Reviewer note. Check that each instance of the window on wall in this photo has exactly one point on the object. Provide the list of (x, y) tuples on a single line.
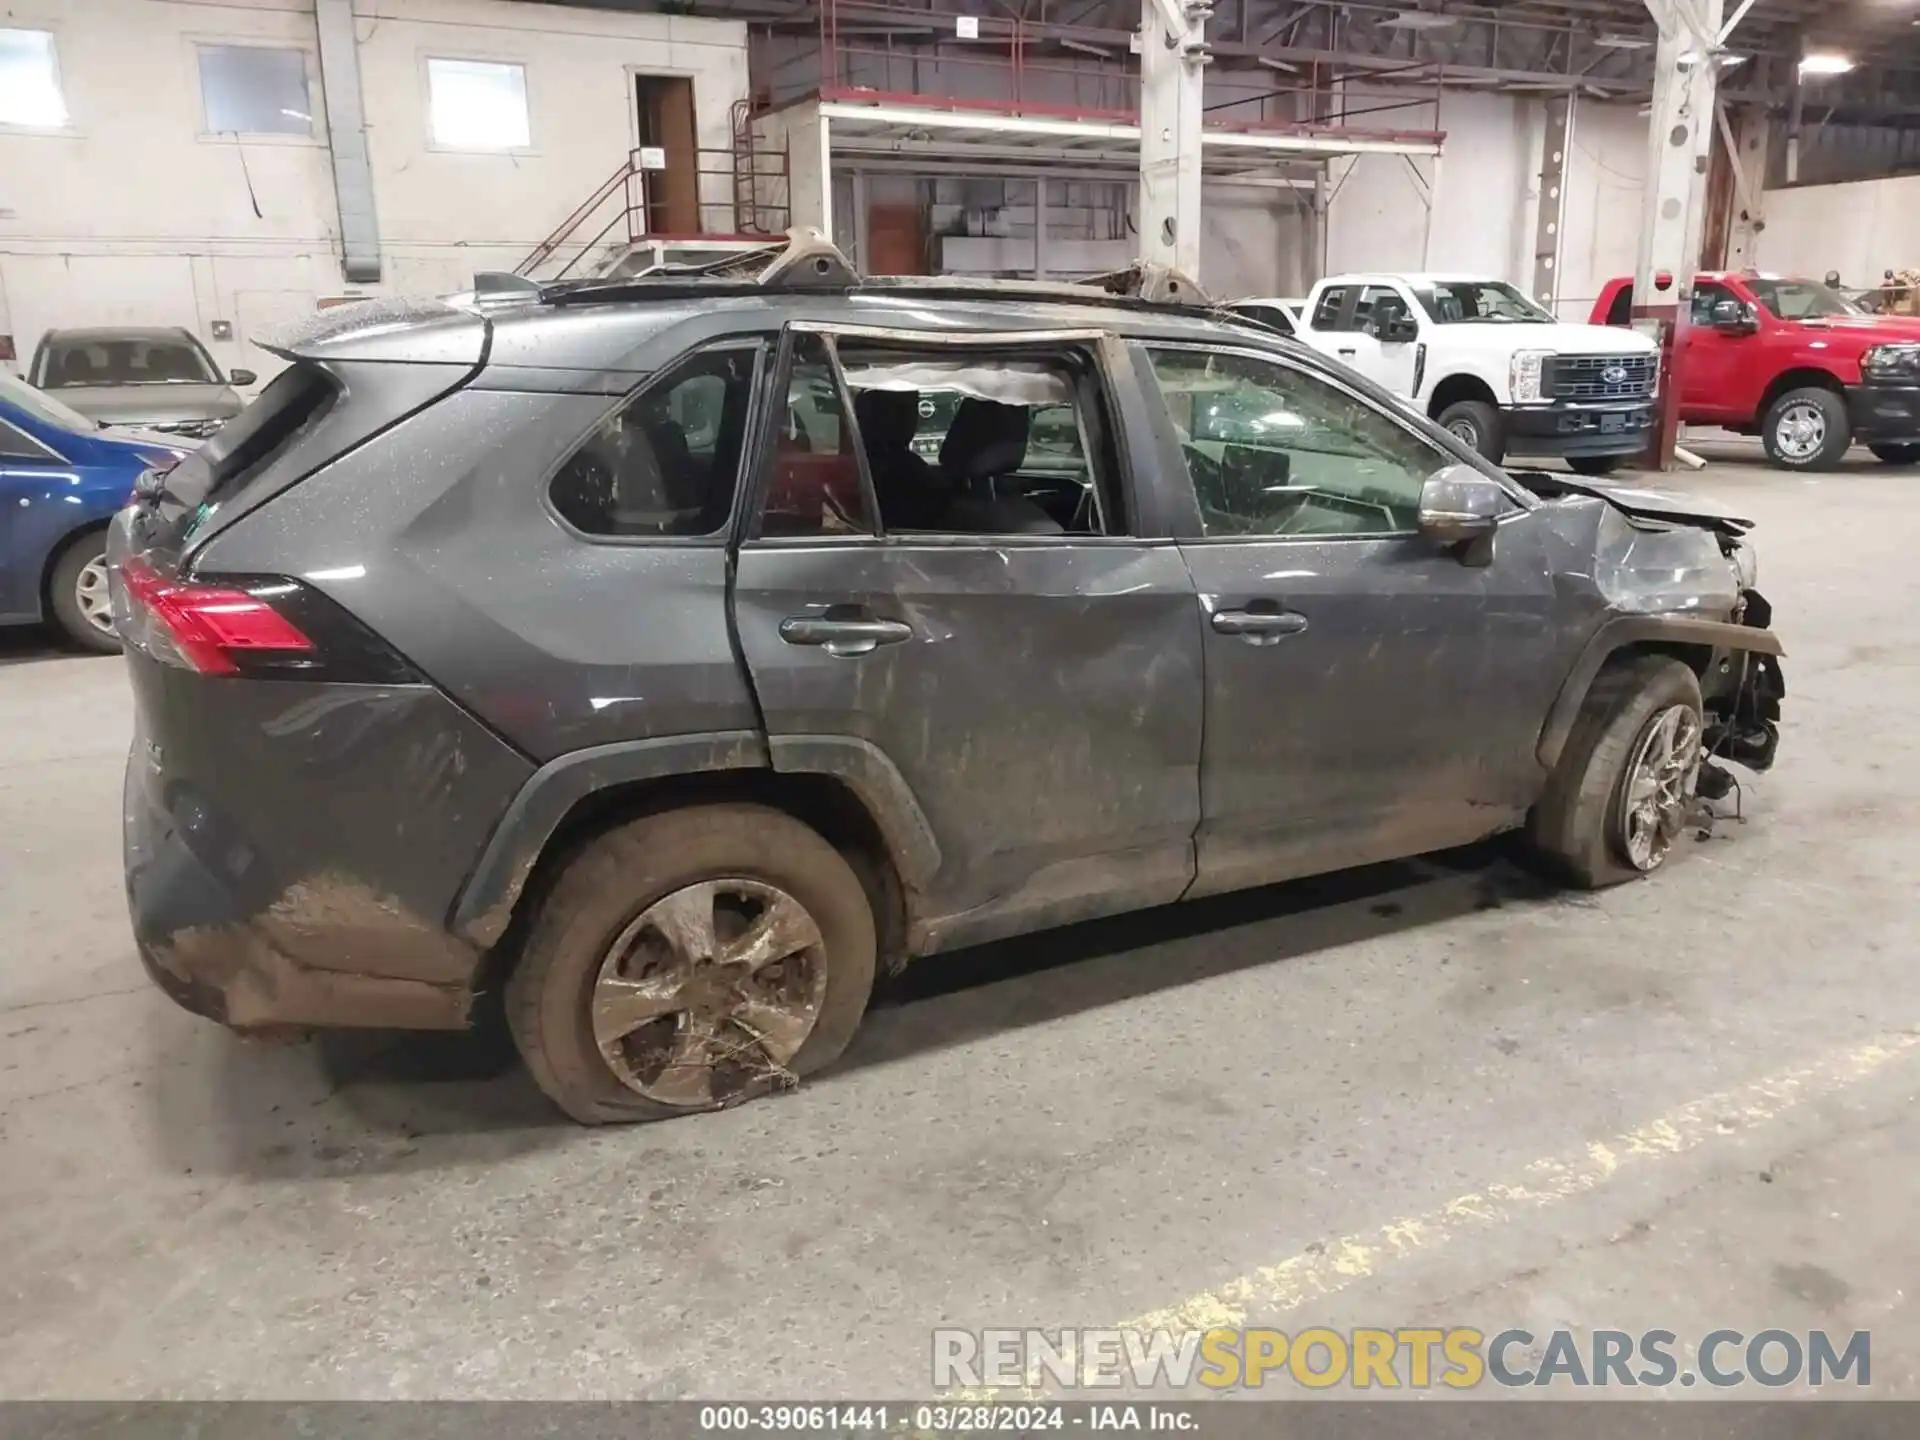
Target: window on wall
[(478, 105), (255, 90), (30, 81)]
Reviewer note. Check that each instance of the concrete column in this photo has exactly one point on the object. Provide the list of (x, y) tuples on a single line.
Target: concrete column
[(1680, 136), (1173, 56)]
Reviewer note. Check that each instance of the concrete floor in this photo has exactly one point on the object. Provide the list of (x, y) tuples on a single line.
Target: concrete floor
[(1420, 1094)]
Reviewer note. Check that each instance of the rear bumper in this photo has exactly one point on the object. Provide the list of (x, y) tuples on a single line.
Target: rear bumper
[(1884, 414), (1617, 429), (293, 849), (201, 945)]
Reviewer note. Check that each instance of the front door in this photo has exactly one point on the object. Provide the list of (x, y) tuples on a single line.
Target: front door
[(1368, 695), (1390, 364), (977, 631), (1711, 369)]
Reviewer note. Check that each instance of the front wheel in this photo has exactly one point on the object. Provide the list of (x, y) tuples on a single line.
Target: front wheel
[(1475, 424), (691, 960), (1897, 454), (77, 592), (1807, 429), (1620, 798), (1594, 464)]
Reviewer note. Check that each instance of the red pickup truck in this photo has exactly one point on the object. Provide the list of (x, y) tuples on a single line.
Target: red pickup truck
[(1797, 364)]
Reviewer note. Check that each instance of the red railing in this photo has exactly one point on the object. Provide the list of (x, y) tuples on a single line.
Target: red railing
[(750, 177)]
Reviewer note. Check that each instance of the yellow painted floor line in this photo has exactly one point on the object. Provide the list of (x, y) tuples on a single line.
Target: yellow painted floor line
[(1275, 1289), (1325, 1270)]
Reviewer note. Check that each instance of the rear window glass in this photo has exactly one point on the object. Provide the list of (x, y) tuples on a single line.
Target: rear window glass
[(293, 401)]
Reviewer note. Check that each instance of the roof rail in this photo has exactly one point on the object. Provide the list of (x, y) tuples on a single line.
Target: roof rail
[(809, 261), (1155, 284)]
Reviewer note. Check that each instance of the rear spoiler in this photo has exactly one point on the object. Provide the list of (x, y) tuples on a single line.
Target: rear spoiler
[(395, 328)]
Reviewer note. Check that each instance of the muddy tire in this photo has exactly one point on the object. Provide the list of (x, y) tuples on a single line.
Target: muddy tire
[(729, 942), (1475, 424), (1595, 464), (77, 595), (1896, 454), (1807, 429), (1582, 826)]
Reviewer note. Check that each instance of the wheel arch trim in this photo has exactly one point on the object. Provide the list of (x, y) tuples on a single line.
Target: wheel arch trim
[(1622, 632), (485, 905)]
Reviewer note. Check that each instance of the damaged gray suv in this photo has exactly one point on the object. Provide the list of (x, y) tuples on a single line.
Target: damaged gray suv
[(671, 655)]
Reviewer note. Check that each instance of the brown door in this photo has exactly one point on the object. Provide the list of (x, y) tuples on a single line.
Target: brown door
[(897, 235), (664, 107)]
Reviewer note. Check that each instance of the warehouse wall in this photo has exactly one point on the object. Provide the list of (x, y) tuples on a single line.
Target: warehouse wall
[(131, 214), (1862, 229), (1487, 200)]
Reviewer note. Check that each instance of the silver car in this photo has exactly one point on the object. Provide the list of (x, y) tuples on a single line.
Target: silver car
[(145, 377)]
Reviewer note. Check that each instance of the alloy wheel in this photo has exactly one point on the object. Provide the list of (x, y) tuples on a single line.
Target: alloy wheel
[(1658, 788), (92, 595), (711, 989), (1465, 431)]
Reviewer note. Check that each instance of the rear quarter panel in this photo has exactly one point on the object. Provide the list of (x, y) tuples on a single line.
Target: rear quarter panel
[(437, 535)]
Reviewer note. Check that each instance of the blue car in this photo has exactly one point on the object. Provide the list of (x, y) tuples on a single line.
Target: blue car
[(61, 478)]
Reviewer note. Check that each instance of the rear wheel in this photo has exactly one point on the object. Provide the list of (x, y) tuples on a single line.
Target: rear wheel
[(1595, 464), (1620, 797), (1475, 424), (77, 593), (1807, 429), (691, 960), (1896, 454)]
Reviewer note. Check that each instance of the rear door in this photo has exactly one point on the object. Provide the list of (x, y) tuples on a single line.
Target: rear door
[(1020, 671), (1368, 695)]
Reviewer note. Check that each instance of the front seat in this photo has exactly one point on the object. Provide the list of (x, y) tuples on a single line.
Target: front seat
[(986, 442)]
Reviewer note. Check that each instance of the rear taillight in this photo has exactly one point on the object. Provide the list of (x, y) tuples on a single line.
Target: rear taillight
[(264, 627)]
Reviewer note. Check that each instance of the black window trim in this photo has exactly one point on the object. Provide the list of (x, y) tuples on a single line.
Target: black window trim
[(744, 340), (1097, 340), (1184, 476)]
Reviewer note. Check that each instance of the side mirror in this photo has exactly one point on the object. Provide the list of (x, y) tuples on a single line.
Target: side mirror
[(242, 377), (1730, 317), (1460, 506)]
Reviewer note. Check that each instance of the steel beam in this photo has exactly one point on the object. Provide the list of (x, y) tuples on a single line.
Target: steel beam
[(1173, 58), (1680, 134), (1555, 148)]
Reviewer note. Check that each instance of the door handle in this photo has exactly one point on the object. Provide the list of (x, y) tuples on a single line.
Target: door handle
[(1259, 627), (1347, 352), (843, 637)]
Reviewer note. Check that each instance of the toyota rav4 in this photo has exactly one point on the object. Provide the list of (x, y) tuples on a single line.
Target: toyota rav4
[(612, 647)]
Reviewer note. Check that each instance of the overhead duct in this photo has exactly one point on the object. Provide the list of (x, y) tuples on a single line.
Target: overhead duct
[(347, 128)]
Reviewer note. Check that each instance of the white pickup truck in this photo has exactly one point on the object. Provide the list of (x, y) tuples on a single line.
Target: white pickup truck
[(1486, 362)]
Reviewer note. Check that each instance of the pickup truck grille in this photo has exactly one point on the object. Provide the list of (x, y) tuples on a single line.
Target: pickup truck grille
[(1603, 377)]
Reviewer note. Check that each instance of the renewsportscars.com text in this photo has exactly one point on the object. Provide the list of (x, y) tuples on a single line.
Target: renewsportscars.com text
[(1365, 1358)]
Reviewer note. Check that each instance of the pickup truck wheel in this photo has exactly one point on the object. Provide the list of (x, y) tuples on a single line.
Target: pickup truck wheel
[(1624, 789), (1594, 464), (1896, 454), (1477, 425), (691, 960), (1807, 429)]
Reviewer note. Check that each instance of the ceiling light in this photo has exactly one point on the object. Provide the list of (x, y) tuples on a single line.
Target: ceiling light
[(1623, 42), (1417, 20), (1828, 64)]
